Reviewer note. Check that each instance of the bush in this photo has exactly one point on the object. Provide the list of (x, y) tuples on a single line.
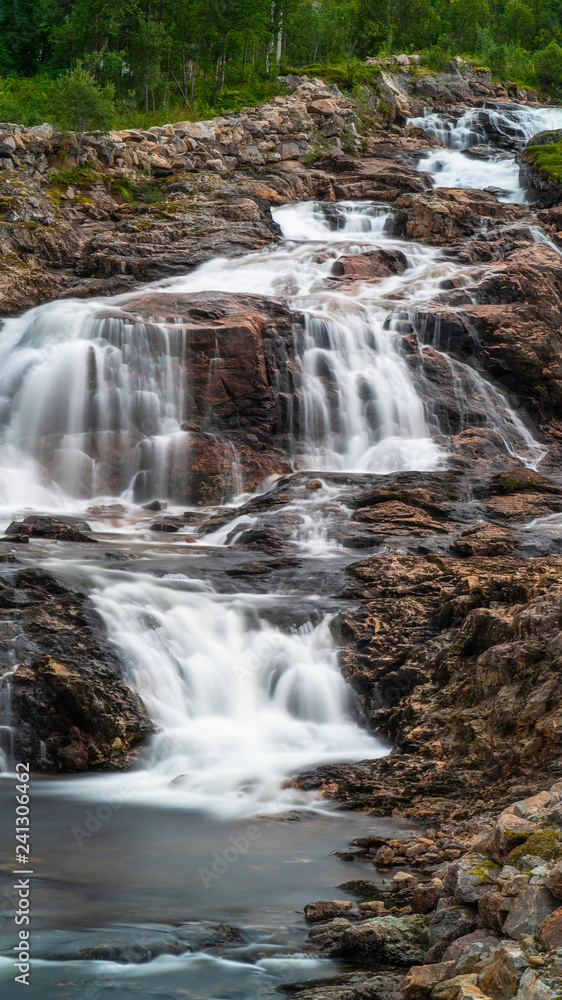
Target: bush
[(549, 65), (79, 105)]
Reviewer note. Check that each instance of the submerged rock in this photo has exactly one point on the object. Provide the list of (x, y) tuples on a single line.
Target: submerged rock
[(72, 709)]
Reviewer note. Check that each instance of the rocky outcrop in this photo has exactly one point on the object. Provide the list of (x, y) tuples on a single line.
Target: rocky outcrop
[(540, 166), (72, 710), (508, 324), (241, 361)]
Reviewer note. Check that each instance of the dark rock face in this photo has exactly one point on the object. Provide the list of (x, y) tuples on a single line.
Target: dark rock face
[(72, 709), (541, 184), (243, 376), (512, 330)]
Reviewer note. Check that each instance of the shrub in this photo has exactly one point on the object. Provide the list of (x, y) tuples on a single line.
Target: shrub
[(549, 65)]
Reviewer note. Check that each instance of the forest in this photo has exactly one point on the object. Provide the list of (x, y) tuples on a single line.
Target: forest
[(150, 60)]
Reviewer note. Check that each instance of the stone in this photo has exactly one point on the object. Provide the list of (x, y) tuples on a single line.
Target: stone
[(325, 107), (484, 539), (500, 973), (68, 692), (554, 880), (450, 988), (421, 979), (472, 877), (509, 832), (388, 940), (403, 880), (532, 987), (313, 484), (425, 897), (528, 911), (446, 925), (549, 934), (490, 908), (326, 909)]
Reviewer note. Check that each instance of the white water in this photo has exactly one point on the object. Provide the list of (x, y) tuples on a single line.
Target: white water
[(93, 399), (239, 704), (452, 167)]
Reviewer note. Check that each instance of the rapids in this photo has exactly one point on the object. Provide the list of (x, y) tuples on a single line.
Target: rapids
[(243, 687), (499, 128)]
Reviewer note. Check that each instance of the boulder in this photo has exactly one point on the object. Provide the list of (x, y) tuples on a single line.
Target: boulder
[(326, 910), (528, 911), (400, 941), (471, 877), (549, 934), (72, 709), (446, 925), (421, 979), (484, 539), (554, 880), (501, 972)]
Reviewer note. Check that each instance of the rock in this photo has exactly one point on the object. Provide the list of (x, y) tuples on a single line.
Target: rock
[(67, 691), (484, 539), (472, 877), (510, 831), (421, 979), (425, 897), (528, 911), (543, 845), (155, 505), (445, 926), (549, 934), (491, 909), (369, 265), (532, 988), (314, 484), (38, 526), (445, 215), (554, 880), (326, 909), (349, 986), (450, 988), (403, 880), (389, 940), (500, 973)]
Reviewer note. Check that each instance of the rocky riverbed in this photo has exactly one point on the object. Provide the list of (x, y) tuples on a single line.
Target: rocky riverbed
[(297, 505)]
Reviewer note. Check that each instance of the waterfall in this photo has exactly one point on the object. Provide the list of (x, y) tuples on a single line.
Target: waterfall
[(94, 401), (498, 128)]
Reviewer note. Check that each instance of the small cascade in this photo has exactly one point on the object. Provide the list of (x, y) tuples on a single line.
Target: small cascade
[(239, 703), (499, 128), (95, 402)]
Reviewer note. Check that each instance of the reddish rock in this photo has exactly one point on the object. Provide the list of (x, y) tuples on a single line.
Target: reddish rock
[(421, 979), (484, 539), (549, 934), (326, 909)]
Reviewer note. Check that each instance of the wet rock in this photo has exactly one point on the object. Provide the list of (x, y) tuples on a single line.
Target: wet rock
[(67, 691), (447, 924), (484, 539), (326, 910), (64, 530), (155, 505), (444, 215), (382, 941), (369, 265), (367, 985)]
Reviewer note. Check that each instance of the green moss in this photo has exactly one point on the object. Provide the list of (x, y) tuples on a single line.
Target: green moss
[(511, 485), (546, 844), (547, 159), (74, 177)]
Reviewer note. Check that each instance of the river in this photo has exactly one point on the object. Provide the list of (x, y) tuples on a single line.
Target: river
[(242, 684)]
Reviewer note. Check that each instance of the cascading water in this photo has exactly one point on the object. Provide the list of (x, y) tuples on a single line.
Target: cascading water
[(500, 128), (94, 402)]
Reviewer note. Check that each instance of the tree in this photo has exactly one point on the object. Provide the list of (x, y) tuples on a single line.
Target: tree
[(80, 105)]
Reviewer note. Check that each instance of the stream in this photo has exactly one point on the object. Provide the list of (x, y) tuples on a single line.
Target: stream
[(242, 684)]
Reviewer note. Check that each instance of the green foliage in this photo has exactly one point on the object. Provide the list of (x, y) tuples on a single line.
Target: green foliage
[(549, 65), (81, 177), (144, 190), (87, 64), (547, 158)]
